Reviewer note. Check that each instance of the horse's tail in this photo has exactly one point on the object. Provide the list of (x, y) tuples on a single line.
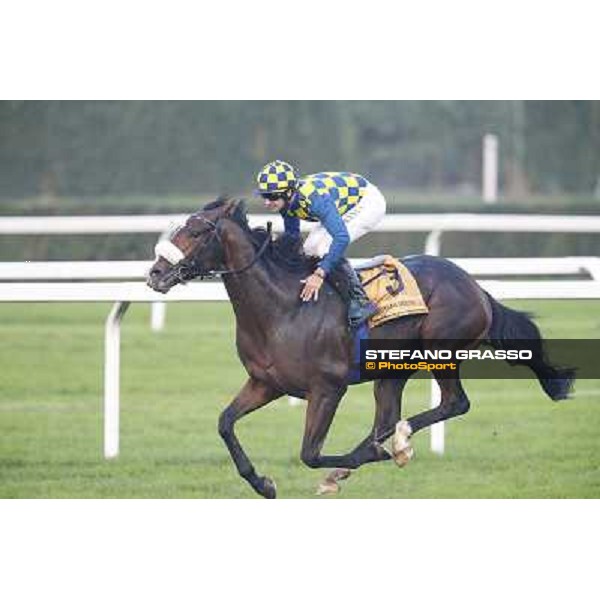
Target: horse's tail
[(507, 328)]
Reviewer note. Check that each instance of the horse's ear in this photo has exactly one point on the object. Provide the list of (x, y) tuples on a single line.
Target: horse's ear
[(233, 205), (236, 208)]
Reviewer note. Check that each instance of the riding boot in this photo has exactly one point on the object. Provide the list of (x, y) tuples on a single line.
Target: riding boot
[(346, 282)]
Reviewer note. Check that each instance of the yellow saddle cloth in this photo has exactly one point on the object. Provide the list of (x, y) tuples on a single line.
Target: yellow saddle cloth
[(393, 289)]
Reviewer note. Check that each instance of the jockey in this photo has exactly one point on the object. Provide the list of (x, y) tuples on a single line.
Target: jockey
[(345, 205)]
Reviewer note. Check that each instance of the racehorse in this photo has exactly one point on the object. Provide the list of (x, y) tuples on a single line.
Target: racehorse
[(305, 348)]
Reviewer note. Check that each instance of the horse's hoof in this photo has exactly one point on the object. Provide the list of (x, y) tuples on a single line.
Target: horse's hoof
[(328, 486), (402, 458), (402, 451), (268, 488), (339, 474)]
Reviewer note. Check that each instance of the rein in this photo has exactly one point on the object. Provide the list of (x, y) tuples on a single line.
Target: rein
[(190, 268)]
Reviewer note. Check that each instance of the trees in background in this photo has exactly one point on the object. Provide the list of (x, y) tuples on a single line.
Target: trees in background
[(120, 148)]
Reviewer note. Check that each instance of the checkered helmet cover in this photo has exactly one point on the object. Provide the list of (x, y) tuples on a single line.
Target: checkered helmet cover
[(277, 176)]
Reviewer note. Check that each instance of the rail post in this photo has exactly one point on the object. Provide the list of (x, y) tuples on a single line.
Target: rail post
[(112, 360), (433, 244)]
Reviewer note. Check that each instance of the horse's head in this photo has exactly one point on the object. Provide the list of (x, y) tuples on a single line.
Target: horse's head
[(194, 249)]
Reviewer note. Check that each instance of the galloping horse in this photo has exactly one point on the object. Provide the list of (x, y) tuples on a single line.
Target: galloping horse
[(305, 349)]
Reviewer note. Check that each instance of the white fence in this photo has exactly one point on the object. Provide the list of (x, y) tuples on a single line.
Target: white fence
[(137, 270), (435, 224), (392, 222)]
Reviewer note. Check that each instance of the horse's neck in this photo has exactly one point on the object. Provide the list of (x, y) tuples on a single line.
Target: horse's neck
[(255, 296), (249, 291)]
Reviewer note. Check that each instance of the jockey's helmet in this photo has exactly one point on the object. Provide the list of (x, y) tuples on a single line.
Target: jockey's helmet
[(275, 177)]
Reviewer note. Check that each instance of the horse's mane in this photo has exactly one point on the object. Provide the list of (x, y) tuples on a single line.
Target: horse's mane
[(284, 252)]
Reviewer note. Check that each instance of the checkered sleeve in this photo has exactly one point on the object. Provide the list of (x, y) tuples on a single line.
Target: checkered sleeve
[(327, 213)]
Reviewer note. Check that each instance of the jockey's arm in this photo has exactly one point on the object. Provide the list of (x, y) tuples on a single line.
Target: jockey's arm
[(326, 211)]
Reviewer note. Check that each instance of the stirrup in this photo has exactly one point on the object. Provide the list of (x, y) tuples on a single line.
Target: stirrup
[(365, 312)]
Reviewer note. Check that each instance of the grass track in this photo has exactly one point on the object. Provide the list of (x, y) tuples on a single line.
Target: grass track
[(514, 443)]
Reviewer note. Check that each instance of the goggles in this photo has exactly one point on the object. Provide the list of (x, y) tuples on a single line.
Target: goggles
[(273, 196)]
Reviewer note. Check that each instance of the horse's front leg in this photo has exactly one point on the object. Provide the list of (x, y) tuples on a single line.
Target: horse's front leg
[(388, 403), (253, 395), (322, 405)]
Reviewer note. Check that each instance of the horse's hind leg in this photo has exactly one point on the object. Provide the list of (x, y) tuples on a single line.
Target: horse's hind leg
[(454, 402), (252, 396)]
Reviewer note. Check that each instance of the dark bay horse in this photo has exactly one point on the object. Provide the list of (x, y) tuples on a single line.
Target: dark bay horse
[(305, 349)]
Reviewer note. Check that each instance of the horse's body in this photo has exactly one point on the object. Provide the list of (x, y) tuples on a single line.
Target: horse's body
[(305, 349)]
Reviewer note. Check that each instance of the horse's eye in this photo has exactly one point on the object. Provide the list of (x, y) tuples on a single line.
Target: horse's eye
[(196, 234)]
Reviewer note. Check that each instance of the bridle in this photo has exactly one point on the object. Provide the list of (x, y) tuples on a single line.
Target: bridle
[(191, 267)]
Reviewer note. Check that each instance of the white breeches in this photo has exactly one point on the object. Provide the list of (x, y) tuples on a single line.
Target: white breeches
[(359, 220)]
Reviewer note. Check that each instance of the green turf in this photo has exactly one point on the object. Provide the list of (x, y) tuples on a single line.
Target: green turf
[(514, 443)]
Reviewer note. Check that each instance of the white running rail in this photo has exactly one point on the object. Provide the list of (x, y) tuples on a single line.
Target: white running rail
[(137, 270), (432, 222)]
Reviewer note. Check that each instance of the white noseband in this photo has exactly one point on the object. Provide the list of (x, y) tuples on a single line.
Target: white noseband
[(169, 251)]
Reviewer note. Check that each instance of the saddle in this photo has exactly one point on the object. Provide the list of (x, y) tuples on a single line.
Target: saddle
[(392, 288)]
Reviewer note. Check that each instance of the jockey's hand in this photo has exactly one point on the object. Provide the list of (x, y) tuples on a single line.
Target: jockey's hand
[(312, 285)]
